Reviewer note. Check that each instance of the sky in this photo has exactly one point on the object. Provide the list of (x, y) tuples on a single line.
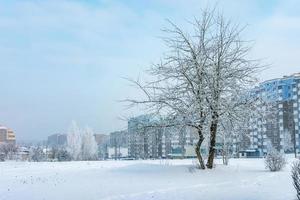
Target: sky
[(66, 60)]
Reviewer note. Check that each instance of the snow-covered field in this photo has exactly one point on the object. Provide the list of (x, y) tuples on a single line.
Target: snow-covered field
[(142, 180)]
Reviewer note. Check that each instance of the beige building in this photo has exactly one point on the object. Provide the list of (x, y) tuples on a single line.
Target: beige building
[(7, 135)]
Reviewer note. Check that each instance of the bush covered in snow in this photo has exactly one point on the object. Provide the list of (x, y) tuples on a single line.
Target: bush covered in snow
[(37, 154), (63, 155), (274, 160), (2, 157), (296, 177), (7, 151)]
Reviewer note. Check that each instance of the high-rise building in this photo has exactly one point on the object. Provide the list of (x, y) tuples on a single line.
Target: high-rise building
[(279, 122), (146, 139), (102, 141), (149, 137), (57, 140), (118, 144), (7, 135)]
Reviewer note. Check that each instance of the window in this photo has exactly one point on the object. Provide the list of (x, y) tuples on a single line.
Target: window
[(295, 105)]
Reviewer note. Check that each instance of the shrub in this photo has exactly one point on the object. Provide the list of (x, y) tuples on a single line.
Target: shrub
[(37, 154), (63, 155), (2, 157), (274, 160), (8, 150), (296, 177)]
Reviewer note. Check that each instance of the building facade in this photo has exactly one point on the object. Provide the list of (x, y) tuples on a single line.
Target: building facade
[(7, 135), (118, 145), (102, 141), (57, 140), (278, 124), (148, 138)]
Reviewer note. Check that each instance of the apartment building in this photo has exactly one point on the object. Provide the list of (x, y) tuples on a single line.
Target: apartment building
[(279, 122), (145, 138), (57, 140), (7, 135), (103, 143), (148, 137), (118, 144)]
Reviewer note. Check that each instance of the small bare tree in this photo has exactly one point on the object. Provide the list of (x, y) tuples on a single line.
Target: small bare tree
[(74, 141), (8, 150), (234, 124), (37, 155), (288, 145), (275, 160), (296, 177)]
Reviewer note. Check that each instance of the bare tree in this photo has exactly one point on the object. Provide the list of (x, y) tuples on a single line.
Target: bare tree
[(228, 133), (275, 160), (201, 78), (8, 150), (179, 85), (74, 141), (230, 74), (265, 114), (89, 149), (288, 145), (235, 123), (37, 155), (296, 177)]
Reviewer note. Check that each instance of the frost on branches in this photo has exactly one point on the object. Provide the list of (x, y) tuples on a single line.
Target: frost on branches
[(89, 145), (274, 160), (288, 144), (201, 78), (296, 177), (74, 142), (81, 144)]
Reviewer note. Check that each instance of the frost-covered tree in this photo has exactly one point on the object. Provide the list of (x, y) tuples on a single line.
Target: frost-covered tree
[(36, 154), (89, 145), (269, 145), (63, 155), (74, 141), (265, 113), (296, 177), (8, 150), (288, 144), (275, 160), (234, 127), (230, 74), (201, 77), (227, 135)]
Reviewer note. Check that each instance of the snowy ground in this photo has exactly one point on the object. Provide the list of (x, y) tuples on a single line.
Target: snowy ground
[(143, 180)]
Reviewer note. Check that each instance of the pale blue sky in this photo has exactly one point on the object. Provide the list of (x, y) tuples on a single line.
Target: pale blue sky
[(64, 60)]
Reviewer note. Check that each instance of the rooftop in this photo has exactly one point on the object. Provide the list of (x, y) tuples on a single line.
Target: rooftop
[(294, 75)]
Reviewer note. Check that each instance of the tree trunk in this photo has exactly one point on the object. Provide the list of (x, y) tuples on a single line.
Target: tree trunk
[(212, 146), (225, 154), (197, 149)]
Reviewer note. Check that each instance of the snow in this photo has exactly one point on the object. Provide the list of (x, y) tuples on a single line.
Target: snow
[(148, 179)]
